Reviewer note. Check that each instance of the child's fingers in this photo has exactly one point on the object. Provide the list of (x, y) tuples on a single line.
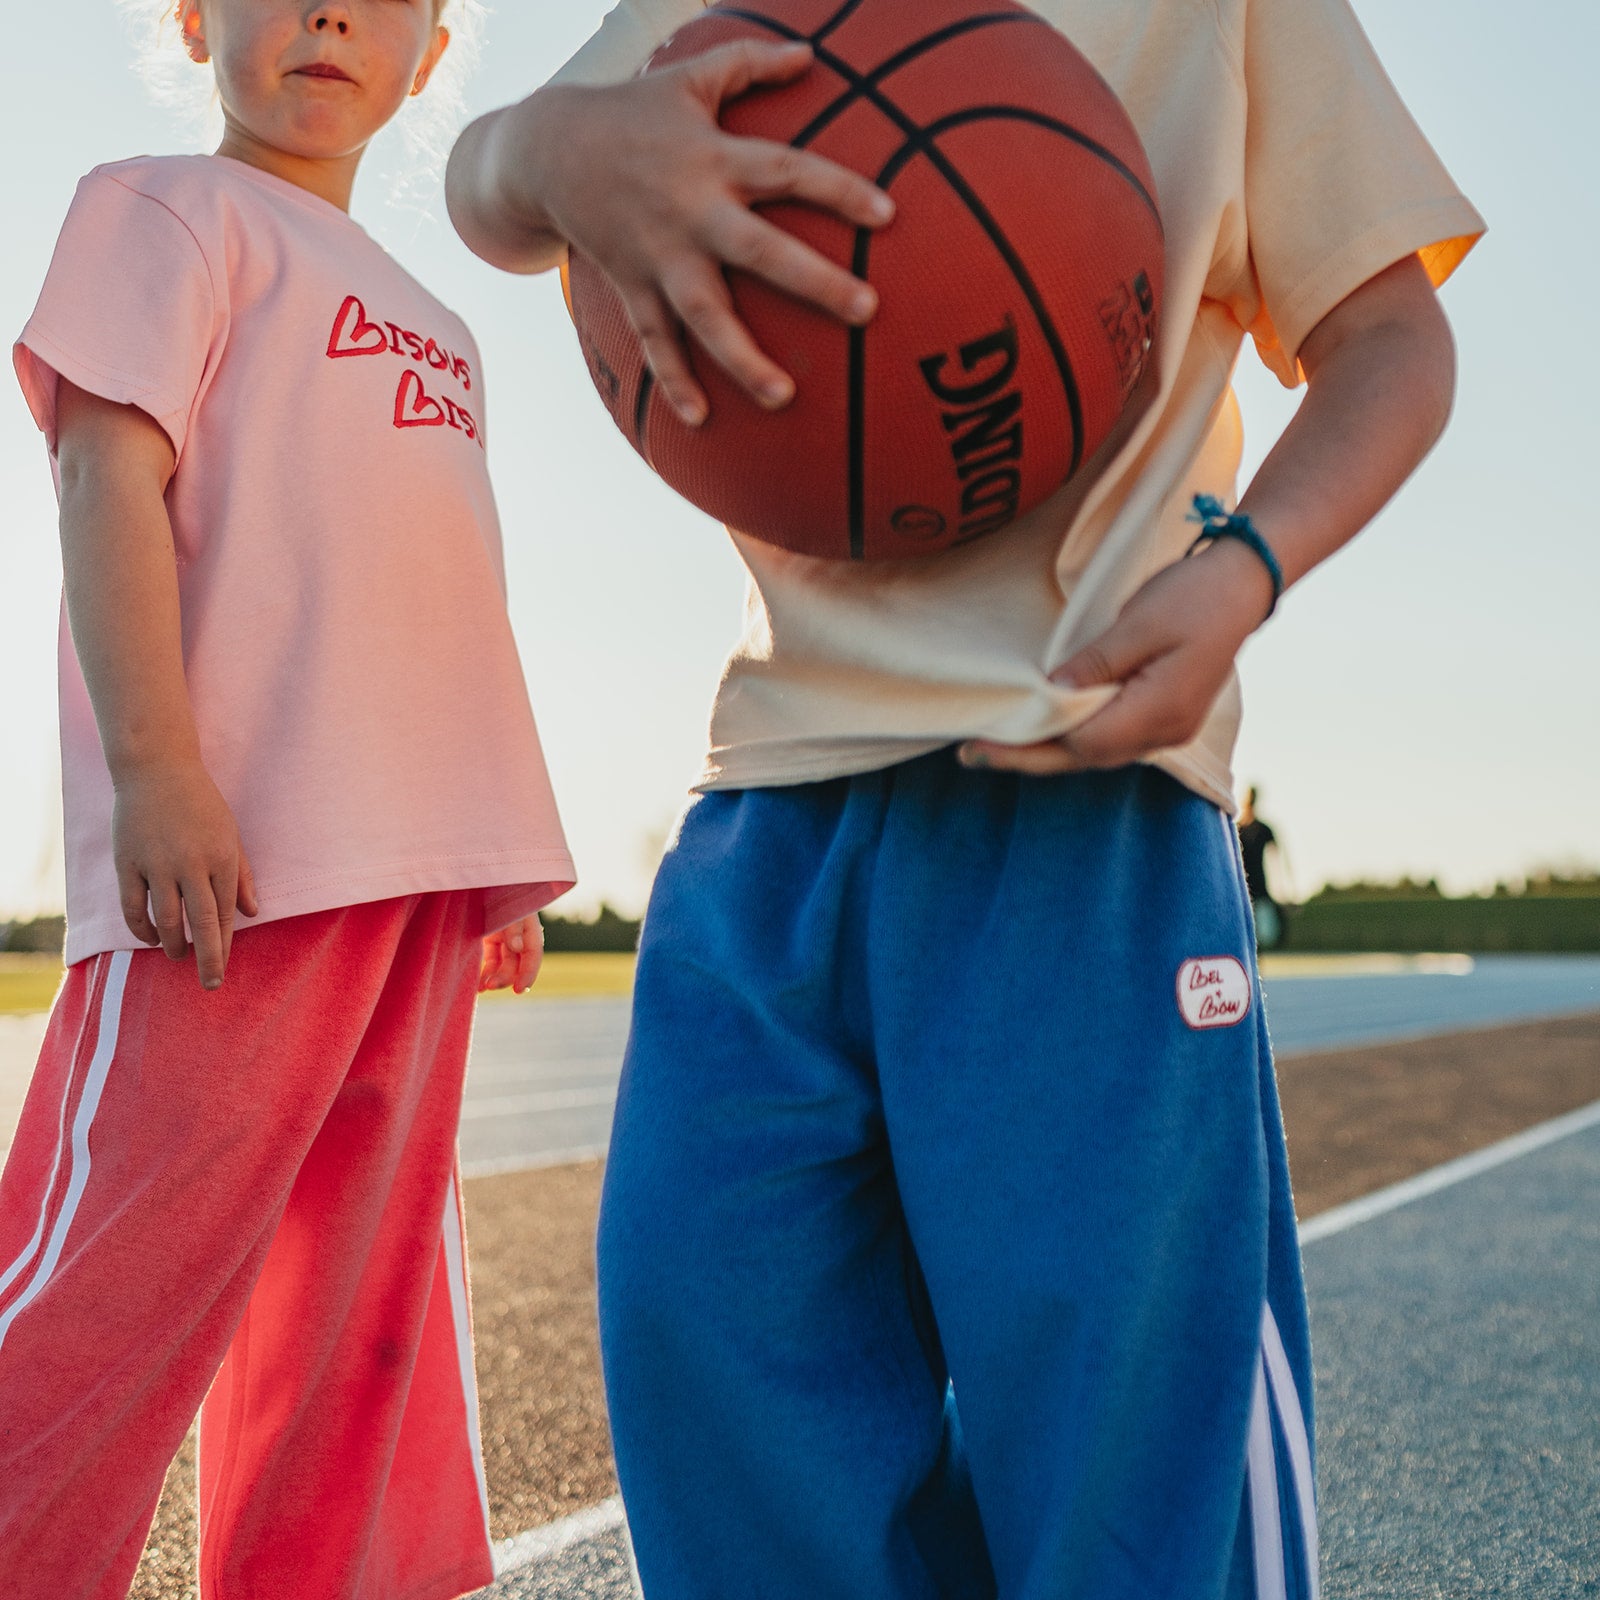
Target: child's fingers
[(1113, 657), (731, 69), (752, 243), (1154, 710), (166, 912), (1036, 760), (499, 965), (134, 893), (699, 295), (225, 894), (766, 170), (661, 340), (249, 906), (528, 961), (206, 926)]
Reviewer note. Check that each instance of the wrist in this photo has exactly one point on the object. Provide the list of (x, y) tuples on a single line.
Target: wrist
[(522, 148), (1235, 530), (1244, 585), (495, 185), (133, 763)]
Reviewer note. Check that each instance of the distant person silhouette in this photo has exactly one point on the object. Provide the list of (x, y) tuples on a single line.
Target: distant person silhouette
[(1254, 838)]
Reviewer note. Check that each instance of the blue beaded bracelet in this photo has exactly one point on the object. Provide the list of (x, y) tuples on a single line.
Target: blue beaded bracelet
[(1216, 522)]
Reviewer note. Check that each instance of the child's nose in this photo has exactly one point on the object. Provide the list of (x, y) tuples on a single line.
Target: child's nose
[(330, 16)]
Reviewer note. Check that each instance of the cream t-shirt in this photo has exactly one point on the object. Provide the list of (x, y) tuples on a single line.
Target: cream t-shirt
[(349, 658), (1289, 173)]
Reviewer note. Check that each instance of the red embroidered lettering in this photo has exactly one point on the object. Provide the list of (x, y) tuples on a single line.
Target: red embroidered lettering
[(352, 334), (414, 407)]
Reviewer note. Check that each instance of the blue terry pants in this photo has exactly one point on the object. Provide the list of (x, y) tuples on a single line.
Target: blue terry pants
[(947, 1246)]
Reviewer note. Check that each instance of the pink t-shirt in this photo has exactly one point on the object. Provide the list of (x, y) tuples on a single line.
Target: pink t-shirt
[(349, 658)]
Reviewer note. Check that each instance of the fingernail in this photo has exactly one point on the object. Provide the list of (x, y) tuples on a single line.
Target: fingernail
[(777, 392), (692, 412), (515, 941), (882, 207), (969, 755), (862, 304), (213, 983)]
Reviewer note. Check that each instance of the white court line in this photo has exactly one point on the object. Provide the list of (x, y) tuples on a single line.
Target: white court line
[(518, 1105), (539, 1544), (535, 1163), (1452, 1172)]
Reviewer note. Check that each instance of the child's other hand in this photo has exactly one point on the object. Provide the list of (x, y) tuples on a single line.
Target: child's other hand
[(641, 178), (511, 957), (1170, 651), (177, 853)]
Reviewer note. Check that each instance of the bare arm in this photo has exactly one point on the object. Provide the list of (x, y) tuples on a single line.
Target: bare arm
[(1381, 374), (640, 177), (174, 839)]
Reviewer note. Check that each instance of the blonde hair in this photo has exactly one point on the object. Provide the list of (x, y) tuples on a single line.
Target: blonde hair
[(426, 126)]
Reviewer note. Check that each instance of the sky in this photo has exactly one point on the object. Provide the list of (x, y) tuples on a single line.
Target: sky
[(1427, 704)]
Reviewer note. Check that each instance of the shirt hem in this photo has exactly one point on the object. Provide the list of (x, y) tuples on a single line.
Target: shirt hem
[(781, 773), (1205, 778), (521, 885)]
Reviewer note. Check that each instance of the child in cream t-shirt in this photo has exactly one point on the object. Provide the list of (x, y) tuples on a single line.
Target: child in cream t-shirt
[(947, 1246)]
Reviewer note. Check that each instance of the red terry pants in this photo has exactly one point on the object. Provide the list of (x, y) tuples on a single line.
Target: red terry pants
[(251, 1192)]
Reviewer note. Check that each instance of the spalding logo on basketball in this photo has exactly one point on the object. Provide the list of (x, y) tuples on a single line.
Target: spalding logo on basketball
[(1019, 284)]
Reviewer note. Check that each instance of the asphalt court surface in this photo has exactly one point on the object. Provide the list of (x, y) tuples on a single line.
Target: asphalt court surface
[(1458, 1386)]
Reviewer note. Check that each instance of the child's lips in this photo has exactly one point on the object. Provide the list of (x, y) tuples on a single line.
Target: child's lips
[(324, 69)]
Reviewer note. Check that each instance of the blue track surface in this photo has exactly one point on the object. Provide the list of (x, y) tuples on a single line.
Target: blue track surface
[(1329, 1013), (544, 1077)]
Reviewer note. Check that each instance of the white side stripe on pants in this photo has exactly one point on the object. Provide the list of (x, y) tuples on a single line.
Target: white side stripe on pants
[(456, 1272), (88, 1106), (17, 1267), (1293, 1422), (1266, 1526)]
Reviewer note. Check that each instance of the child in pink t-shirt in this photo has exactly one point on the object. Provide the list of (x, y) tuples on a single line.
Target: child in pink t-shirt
[(295, 736)]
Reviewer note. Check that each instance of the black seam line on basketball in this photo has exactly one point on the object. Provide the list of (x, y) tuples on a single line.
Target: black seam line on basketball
[(835, 21), (917, 142), (856, 413), (641, 412), (902, 58), (1021, 114)]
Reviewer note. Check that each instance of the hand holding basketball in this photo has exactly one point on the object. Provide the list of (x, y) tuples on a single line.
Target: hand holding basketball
[(1020, 282), (652, 190)]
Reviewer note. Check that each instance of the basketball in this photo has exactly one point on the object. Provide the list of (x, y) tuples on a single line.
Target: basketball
[(1019, 284)]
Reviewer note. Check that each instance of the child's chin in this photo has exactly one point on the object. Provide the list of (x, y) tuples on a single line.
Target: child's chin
[(322, 138)]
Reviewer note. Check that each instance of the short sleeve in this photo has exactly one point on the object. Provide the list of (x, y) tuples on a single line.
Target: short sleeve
[(1340, 182), (128, 310), (627, 37)]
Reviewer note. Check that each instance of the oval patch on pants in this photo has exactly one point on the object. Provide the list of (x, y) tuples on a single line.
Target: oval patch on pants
[(1213, 992)]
